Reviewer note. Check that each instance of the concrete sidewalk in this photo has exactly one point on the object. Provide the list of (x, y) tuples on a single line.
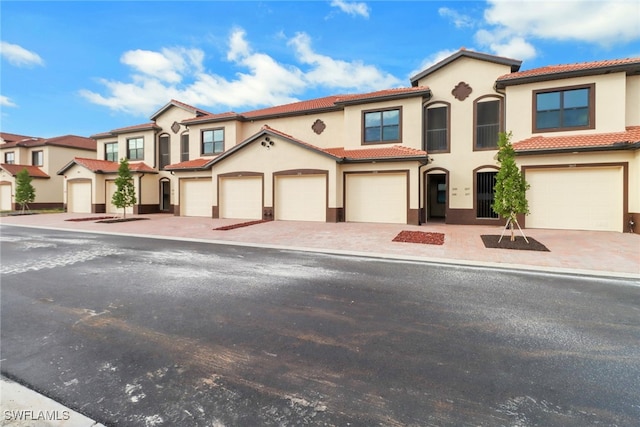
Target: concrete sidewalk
[(22, 407), (581, 252)]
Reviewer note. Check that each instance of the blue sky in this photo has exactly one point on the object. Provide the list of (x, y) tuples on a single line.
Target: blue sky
[(88, 67)]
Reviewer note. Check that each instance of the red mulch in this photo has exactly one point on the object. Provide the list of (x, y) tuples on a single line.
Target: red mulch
[(95, 218), (423, 237), (241, 224)]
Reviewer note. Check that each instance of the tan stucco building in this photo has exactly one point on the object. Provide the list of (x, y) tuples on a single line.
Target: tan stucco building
[(42, 157), (418, 154)]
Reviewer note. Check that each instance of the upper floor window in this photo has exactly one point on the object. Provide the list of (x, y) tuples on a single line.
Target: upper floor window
[(487, 119), (184, 147), (564, 109), (37, 158), (164, 151), (135, 148), (111, 151), (382, 126), (10, 158), (437, 128), (212, 141)]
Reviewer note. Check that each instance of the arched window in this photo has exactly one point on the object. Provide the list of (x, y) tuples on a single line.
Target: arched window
[(437, 127)]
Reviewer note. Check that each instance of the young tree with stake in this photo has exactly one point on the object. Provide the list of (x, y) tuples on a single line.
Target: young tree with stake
[(25, 193), (510, 191), (125, 194)]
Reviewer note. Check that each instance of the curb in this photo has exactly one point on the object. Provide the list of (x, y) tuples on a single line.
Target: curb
[(23, 407)]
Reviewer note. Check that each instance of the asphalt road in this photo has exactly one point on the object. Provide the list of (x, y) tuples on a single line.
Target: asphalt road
[(146, 332)]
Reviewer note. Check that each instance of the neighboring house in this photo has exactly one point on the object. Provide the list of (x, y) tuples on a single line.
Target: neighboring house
[(42, 157), (419, 154)]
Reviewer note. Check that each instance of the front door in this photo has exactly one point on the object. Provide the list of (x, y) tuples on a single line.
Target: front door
[(165, 196), (436, 196)]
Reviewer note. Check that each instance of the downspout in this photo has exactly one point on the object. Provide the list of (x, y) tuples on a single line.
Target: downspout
[(424, 202), (140, 191)]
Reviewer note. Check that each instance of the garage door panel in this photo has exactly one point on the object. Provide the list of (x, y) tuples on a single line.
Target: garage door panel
[(111, 208), (376, 198), (301, 198), (5, 197), (196, 197), (241, 197), (79, 197), (576, 198)]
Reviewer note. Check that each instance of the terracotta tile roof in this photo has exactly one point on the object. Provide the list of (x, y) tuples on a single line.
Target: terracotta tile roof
[(189, 164), (105, 166), (66, 141), (327, 102), (134, 128), (591, 141), (12, 137), (567, 70), (212, 117), (334, 102), (382, 94), (34, 171), (390, 152)]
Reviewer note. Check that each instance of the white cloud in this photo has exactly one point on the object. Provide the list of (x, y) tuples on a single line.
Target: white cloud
[(179, 73), (330, 72), (458, 19), (6, 102), (19, 56), (514, 24), (352, 8), (432, 60)]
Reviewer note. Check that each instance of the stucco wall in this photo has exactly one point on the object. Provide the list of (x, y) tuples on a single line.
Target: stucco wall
[(462, 160), (281, 157), (610, 90)]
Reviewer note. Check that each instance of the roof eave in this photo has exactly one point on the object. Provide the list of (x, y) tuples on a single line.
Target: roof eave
[(423, 93), (513, 63), (290, 113), (385, 159), (627, 68), (564, 150)]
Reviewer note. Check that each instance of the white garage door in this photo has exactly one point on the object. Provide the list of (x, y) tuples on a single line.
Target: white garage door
[(576, 198), (380, 197), (301, 198), (111, 208), (5, 197), (196, 197), (241, 197), (79, 197)]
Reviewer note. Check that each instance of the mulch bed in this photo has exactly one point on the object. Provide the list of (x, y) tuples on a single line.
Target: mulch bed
[(242, 224), (491, 241), (111, 221), (95, 218), (423, 237)]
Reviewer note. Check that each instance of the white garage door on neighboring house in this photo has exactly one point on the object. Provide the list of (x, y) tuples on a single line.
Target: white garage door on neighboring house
[(577, 198), (79, 196), (5, 197), (301, 198), (196, 196), (111, 208), (241, 197), (376, 197)]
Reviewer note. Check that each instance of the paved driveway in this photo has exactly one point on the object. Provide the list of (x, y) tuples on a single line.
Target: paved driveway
[(590, 252)]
